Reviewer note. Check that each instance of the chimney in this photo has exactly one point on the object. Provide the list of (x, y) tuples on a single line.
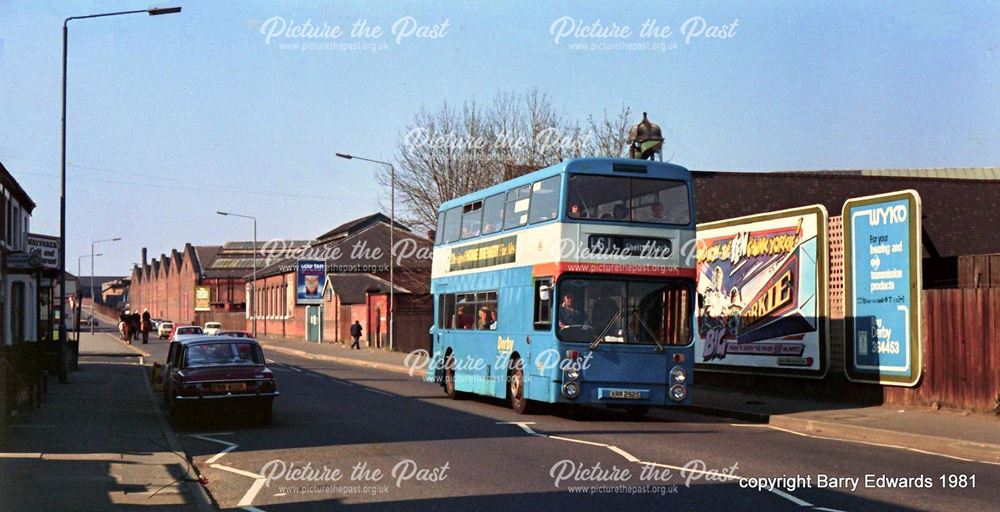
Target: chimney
[(144, 264)]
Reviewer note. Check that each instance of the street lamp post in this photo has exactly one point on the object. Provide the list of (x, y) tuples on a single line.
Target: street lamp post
[(253, 287), (92, 296), (78, 291), (392, 232), (62, 170)]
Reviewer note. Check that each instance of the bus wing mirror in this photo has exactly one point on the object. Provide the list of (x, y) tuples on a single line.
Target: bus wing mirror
[(544, 292)]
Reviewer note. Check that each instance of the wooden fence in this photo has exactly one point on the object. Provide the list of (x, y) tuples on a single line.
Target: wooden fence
[(961, 334)]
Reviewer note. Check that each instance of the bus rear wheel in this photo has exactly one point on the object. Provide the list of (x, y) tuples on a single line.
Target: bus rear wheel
[(515, 388)]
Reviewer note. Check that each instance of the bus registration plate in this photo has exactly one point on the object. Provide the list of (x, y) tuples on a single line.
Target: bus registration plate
[(626, 394)]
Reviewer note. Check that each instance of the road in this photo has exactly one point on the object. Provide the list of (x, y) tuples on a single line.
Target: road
[(438, 454)]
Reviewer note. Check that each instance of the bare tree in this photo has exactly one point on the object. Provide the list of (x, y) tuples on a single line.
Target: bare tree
[(453, 151)]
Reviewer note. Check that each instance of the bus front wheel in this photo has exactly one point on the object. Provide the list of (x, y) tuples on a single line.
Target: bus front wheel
[(515, 388)]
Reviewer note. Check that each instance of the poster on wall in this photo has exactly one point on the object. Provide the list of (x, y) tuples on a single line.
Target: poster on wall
[(882, 282), (202, 298), (762, 294), (309, 281)]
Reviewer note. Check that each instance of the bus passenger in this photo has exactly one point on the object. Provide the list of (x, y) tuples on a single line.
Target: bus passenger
[(493, 319), (463, 320), (657, 209), (568, 313), (576, 212), (484, 319)]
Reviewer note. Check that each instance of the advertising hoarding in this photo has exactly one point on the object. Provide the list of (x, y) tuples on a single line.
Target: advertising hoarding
[(310, 278), (762, 294), (882, 282)]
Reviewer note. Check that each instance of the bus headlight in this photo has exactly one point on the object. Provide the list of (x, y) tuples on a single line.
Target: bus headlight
[(573, 374), (678, 392), (571, 390), (678, 374)]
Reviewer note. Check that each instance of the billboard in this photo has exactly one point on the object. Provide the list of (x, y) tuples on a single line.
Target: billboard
[(310, 277), (762, 294), (202, 298), (882, 281)]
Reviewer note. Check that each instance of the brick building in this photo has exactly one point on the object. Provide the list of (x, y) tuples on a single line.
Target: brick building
[(356, 287), (167, 285), (959, 205)]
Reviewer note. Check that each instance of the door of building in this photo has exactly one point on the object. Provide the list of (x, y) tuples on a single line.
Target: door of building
[(314, 323)]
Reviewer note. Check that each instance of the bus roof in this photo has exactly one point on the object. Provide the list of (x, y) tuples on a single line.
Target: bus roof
[(577, 166)]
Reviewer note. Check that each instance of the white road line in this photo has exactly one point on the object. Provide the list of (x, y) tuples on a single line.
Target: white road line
[(824, 509), (581, 441), (294, 369), (628, 456), (870, 443), (631, 458), (229, 447), (790, 498), (251, 493), (524, 426)]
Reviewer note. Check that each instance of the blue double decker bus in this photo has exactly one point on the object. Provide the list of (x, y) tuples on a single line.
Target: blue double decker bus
[(568, 285)]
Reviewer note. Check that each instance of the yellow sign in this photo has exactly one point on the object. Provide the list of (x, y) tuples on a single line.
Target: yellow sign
[(202, 298), (505, 344), (484, 254)]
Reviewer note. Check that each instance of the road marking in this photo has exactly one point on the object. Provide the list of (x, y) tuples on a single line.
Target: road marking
[(628, 456), (229, 447), (870, 443), (631, 458), (790, 498), (251, 493), (294, 369), (373, 390), (524, 426), (828, 509), (259, 480)]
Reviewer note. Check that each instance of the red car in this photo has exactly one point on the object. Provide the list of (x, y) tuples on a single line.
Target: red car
[(218, 373)]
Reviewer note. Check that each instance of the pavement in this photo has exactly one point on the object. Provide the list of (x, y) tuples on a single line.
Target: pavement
[(967, 436), (100, 442)]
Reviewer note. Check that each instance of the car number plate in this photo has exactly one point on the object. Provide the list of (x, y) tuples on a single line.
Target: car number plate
[(229, 387), (626, 394)]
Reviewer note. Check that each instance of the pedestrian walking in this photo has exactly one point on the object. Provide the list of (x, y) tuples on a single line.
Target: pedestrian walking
[(146, 325), (356, 334)]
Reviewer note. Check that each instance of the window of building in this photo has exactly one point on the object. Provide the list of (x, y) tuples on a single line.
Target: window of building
[(493, 214), (18, 312), (544, 200), (516, 209)]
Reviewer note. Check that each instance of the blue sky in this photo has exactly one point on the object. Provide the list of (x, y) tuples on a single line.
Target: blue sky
[(174, 117)]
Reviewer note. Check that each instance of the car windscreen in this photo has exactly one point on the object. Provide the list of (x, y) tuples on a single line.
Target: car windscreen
[(189, 330), (214, 354)]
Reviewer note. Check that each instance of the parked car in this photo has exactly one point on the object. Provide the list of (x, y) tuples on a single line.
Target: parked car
[(181, 332), (236, 334), (218, 373), (165, 329), (212, 328)]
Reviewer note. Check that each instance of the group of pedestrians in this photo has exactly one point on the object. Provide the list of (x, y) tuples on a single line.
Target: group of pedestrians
[(132, 325)]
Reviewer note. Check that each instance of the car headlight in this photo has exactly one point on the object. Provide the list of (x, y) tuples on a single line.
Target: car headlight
[(678, 374), (573, 374), (678, 392), (571, 390)]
